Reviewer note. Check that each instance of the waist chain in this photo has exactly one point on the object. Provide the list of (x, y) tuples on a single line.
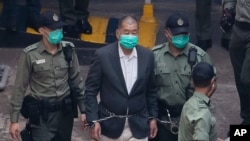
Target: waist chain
[(111, 115), (174, 126)]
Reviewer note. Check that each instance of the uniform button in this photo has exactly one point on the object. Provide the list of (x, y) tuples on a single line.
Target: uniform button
[(175, 70), (176, 82), (177, 93)]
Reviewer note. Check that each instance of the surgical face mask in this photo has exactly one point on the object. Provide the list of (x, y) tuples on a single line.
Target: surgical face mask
[(180, 41), (128, 41), (55, 36)]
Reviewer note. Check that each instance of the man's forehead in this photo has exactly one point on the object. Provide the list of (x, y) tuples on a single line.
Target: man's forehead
[(129, 24), (129, 21)]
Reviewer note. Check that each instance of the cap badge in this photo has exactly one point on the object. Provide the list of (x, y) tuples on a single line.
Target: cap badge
[(180, 22), (55, 18)]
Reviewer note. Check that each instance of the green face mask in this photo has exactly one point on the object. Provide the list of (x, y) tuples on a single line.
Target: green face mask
[(55, 36), (180, 41), (128, 41)]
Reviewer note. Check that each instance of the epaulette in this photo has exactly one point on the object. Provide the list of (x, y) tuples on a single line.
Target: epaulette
[(158, 47), (201, 104), (200, 51), (65, 43), (29, 48)]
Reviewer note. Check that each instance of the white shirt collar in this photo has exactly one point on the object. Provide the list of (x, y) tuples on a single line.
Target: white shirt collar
[(121, 53)]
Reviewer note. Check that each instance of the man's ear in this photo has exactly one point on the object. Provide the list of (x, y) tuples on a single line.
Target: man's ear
[(168, 33), (42, 30), (213, 81)]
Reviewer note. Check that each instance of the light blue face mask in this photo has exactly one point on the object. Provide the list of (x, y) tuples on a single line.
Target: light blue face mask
[(55, 36), (128, 41), (180, 41)]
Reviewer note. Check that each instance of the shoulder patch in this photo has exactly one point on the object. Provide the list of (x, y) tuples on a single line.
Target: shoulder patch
[(158, 47), (200, 51), (201, 104), (29, 48), (64, 43)]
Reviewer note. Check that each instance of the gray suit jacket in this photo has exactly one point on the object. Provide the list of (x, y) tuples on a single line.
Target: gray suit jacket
[(105, 76)]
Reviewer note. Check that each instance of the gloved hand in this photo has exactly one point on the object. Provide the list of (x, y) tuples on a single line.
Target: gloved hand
[(227, 19)]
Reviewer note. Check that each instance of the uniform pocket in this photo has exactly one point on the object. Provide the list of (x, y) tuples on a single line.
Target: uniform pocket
[(41, 67), (162, 76)]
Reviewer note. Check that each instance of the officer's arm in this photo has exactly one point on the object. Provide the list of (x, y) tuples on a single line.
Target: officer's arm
[(21, 83), (201, 126), (77, 81)]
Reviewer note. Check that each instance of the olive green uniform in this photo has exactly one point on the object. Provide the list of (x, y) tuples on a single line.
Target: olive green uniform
[(197, 122), (173, 75), (239, 49), (47, 76)]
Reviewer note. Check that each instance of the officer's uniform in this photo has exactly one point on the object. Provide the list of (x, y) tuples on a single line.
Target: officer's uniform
[(47, 75), (203, 23), (173, 74), (48, 106), (197, 121), (239, 48), (172, 77)]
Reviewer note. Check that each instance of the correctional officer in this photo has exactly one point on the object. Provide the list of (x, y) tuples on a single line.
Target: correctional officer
[(203, 24), (239, 49), (197, 122), (43, 67), (173, 64)]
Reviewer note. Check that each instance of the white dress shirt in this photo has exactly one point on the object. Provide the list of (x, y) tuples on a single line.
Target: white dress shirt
[(129, 67)]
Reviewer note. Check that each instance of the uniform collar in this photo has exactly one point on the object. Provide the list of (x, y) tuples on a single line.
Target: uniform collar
[(203, 97), (42, 48)]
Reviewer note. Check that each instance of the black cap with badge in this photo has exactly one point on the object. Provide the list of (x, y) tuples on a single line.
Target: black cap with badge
[(178, 23), (203, 71), (50, 19)]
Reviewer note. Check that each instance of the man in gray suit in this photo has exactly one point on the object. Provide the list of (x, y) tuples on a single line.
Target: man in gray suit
[(123, 73)]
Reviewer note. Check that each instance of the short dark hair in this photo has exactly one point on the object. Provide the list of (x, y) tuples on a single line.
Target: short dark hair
[(202, 83)]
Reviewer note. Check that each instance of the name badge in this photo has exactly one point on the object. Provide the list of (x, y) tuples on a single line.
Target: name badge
[(160, 64), (41, 61)]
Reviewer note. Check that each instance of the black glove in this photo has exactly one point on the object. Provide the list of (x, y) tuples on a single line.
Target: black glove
[(227, 19)]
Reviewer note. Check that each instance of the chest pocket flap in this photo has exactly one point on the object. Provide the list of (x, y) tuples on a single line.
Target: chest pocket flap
[(162, 70), (41, 67)]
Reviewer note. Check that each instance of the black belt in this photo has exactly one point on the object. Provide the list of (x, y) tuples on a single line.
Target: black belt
[(54, 107), (57, 106), (242, 25)]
